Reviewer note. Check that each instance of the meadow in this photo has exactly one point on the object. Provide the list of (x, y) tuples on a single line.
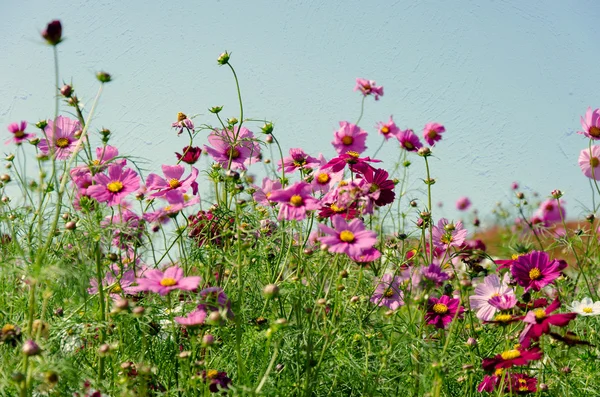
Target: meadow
[(321, 277)]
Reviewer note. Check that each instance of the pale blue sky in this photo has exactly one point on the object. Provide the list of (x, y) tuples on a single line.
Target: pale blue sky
[(508, 79)]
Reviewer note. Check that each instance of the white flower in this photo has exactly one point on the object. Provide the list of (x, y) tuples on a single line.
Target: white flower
[(586, 307)]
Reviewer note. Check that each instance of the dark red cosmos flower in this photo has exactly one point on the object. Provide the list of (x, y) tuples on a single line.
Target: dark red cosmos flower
[(522, 384), (356, 163), (539, 321), (381, 189), (218, 380), (190, 154), (509, 358), (540, 302), (328, 210)]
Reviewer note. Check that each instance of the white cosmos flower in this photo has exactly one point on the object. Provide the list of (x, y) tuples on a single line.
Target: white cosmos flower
[(586, 307)]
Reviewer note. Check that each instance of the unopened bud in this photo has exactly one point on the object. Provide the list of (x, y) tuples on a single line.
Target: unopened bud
[(223, 58), (66, 90), (271, 291), (71, 225), (103, 77), (424, 151), (30, 348), (5, 178)]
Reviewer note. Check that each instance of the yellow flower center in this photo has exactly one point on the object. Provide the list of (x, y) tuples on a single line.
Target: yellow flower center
[(8, 328), (62, 142), (347, 140), (352, 153), (539, 313), (385, 130), (594, 131), (116, 289), (374, 187), (323, 178), (299, 163), (514, 257), (347, 236), (181, 116), (233, 153), (409, 145), (503, 318), (343, 183), (499, 372), (96, 162), (446, 238), (168, 282), (535, 273), (115, 187), (174, 183), (296, 200), (510, 354), (440, 308), (337, 209), (19, 134), (212, 373), (594, 161), (432, 134), (388, 293), (587, 310)]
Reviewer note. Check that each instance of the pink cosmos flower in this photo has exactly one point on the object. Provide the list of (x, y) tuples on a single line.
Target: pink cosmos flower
[(434, 274), (381, 189), (112, 188), (295, 201), (441, 311), (119, 282), (262, 194), (347, 238), (589, 162), (368, 255), (297, 159), (238, 147), (549, 213), (539, 321), (61, 137), (162, 283), (172, 181), (591, 124), (388, 129), (355, 163), (177, 202), (447, 234), (409, 141), (183, 122), (19, 134), (535, 270), (324, 178), (490, 289), (214, 299), (193, 319), (368, 87), (463, 204), (433, 133), (388, 292), (349, 138)]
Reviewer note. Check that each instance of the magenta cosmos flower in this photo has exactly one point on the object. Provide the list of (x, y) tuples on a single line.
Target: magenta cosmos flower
[(172, 181), (518, 356), (112, 188), (388, 129), (368, 87), (162, 283), (381, 189), (349, 138), (294, 201), (433, 133), (61, 137), (19, 134), (440, 312), (189, 155), (388, 292), (549, 213), (535, 270), (591, 124), (347, 238), (539, 320), (298, 159), (463, 204), (352, 159), (589, 162), (233, 149), (409, 141), (446, 234), (483, 300)]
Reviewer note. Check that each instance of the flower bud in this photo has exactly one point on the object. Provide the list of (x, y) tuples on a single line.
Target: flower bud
[(271, 291), (53, 32), (103, 77), (269, 139), (520, 195), (216, 109), (5, 178), (232, 121), (71, 225), (41, 124), (138, 311), (66, 90), (556, 194), (10, 157), (424, 152), (208, 340), (30, 348), (267, 129), (223, 58)]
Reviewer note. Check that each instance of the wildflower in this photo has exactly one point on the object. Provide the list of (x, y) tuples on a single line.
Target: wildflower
[(518, 356), (409, 141), (446, 234), (352, 159), (262, 194), (368, 87), (214, 299), (295, 201), (61, 137), (172, 181), (522, 384), (349, 137), (19, 134), (324, 178), (193, 319), (217, 380), (10, 334), (297, 160), (53, 32), (347, 238), (441, 311), (591, 124), (388, 129), (233, 148), (183, 122), (112, 188), (539, 321), (190, 155), (128, 228), (589, 162), (491, 288), (535, 270), (463, 204), (117, 282), (381, 189), (162, 283), (434, 274), (432, 133), (30, 348), (586, 307), (388, 292), (367, 255), (549, 212)]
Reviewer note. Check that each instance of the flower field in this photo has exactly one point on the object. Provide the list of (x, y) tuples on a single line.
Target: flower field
[(311, 272)]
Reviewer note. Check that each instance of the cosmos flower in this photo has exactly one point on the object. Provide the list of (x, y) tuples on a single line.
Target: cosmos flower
[(349, 137), (409, 141), (388, 292), (297, 159), (262, 194), (463, 203), (162, 283), (347, 238), (441, 311), (172, 181), (19, 134), (190, 154), (539, 321), (591, 124), (491, 288), (294, 201), (368, 87), (535, 270), (388, 129), (112, 188), (586, 307), (589, 162), (549, 213), (433, 133), (353, 160), (193, 319), (381, 189), (233, 149), (119, 282), (183, 122), (324, 178), (446, 234), (518, 356), (61, 137), (434, 274)]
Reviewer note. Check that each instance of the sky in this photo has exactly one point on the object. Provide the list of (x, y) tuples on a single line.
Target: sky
[(508, 79)]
